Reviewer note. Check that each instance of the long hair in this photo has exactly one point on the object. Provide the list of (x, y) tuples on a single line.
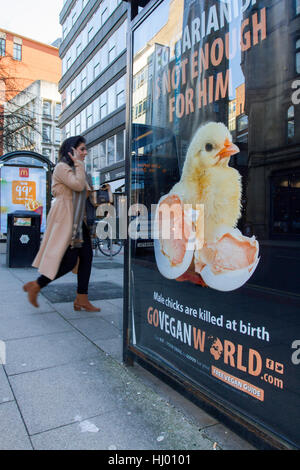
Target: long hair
[(66, 147)]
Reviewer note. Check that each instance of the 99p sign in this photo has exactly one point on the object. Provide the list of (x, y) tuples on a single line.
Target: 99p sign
[(23, 191)]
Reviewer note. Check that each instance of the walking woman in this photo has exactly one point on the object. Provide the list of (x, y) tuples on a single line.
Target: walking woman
[(66, 243)]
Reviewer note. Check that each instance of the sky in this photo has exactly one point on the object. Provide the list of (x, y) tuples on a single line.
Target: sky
[(35, 19)]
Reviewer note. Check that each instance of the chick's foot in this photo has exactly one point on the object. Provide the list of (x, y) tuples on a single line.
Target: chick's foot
[(192, 277)]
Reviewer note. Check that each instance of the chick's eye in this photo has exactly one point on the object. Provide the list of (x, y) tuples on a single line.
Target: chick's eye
[(208, 147)]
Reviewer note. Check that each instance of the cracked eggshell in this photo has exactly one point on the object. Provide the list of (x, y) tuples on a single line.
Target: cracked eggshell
[(162, 261), (231, 280)]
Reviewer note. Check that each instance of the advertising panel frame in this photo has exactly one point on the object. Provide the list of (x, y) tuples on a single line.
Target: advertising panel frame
[(249, 428), (8, 160)]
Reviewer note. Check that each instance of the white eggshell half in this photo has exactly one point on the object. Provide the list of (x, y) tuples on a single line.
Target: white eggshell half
[(164, 265), (230, 280), (163, 262)]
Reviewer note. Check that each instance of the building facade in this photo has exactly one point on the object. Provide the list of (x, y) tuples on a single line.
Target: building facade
[(26, 60), (22, 62), (31, 119), (93, 84)]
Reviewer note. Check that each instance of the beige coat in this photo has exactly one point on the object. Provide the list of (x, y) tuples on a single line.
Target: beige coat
[(58, 233)]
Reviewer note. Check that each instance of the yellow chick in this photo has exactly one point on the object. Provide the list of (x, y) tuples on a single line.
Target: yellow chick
[(207, 179)]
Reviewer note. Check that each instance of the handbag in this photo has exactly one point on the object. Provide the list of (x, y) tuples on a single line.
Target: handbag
[(90, 213), (104, 195)]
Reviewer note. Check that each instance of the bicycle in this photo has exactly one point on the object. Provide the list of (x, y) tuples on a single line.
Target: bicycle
[(107, 246)]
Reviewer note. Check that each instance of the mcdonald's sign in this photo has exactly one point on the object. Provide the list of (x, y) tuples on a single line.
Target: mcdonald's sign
[(24, 172)]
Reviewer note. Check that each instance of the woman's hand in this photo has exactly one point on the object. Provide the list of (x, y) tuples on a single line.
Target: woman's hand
[(75, 155)]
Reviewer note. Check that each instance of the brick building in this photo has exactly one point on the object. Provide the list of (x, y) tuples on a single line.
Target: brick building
[(22, 62)]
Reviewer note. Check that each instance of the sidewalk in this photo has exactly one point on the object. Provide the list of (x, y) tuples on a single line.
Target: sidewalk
[(64, 385)]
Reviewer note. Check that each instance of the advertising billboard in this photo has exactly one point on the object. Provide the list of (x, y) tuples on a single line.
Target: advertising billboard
[(215, 167), (22, 188)]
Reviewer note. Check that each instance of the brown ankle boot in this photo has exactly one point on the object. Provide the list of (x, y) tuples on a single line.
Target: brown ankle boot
[(32, 289), (82, 303)]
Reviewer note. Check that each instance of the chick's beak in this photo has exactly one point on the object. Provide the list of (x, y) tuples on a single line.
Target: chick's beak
[(228, 149)]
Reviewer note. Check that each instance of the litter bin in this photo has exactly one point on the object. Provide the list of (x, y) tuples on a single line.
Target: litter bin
[(23, 238)]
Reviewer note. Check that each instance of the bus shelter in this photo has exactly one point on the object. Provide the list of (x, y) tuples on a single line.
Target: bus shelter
[(213, 138), (25, 184)]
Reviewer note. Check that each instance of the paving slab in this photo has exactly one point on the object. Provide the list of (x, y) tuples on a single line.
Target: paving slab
[(56, 396), (66, 309), (140, 419), (5, 390), (117, 302), (96, 328), (13, 434), (228, 439), (113, 347), (18, 304), (24, 326), (123, 429), (115, 319), (40, 352)]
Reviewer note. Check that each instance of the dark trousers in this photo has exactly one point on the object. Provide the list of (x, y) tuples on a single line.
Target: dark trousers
[(85, 255)]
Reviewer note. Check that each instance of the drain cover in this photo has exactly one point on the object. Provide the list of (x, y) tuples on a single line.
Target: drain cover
[(59, 293)]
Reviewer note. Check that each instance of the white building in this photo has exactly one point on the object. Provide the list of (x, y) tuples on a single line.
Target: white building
[(32, 119)]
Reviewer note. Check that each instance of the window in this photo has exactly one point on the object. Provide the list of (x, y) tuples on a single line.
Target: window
[(89, 116), (95, 158), (290, 123), (78, 50), (298, 55), (90, 33), (242, 123), (57, 135), (88, 161), (111, 99), (68, 130), (17, 51), (111, 150), (104, 16), (57, 110), (2, 47), (96, 70), (120, 98), (102, 154), (144, 105), (46, 152), (47, 109), (46, 133), (112, 53), (103, 105), (120, 91), (83, 121), (73, 94), (74, 18), (140, 107), (83, 80), (120, 146), (297, 7)]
